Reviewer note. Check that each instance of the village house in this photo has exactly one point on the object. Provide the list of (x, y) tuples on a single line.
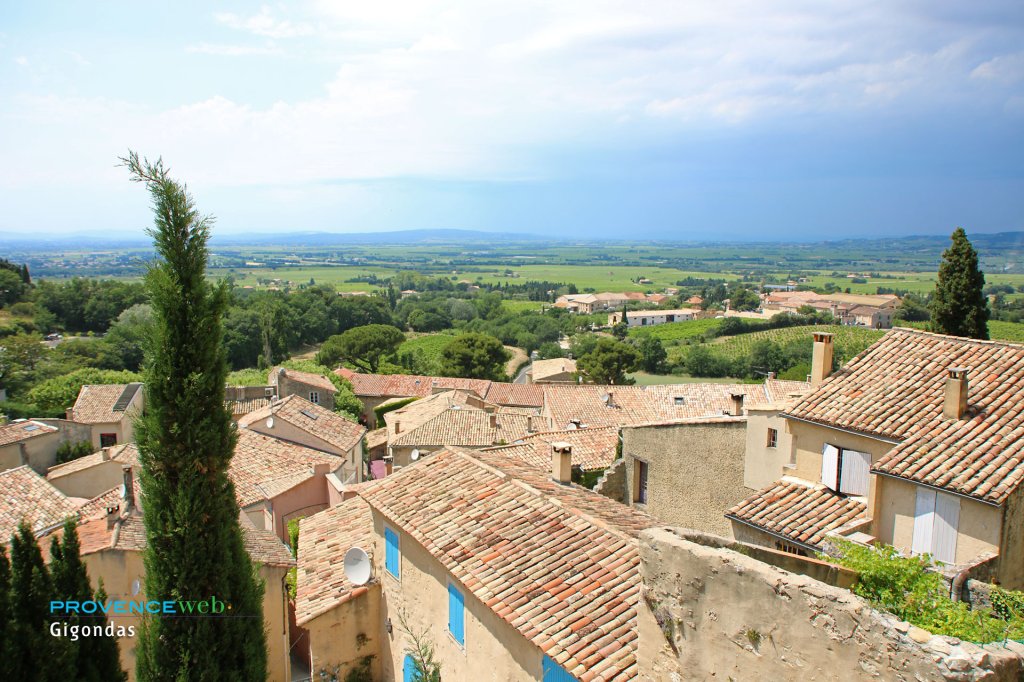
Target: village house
[(109, 410), (552, 371), (28, 496), (876, 311), (593, 303), (915, 443), (113, 539), (315, 388), (35, 441), (511, 572), (648, 318), (296, 420), (593, 450), (242, 400)]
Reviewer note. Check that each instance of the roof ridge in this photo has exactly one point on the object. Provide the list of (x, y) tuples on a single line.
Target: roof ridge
[(961, 339)]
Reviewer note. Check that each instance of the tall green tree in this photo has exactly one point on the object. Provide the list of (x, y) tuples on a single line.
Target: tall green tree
[(609, 361), (194, 547), (959, 306), (362, 346), (652, 354), (474, 356), (94, 658)]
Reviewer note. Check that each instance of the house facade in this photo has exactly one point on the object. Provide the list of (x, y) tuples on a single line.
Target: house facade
[(315, 388), (648, 318), (109, 410)]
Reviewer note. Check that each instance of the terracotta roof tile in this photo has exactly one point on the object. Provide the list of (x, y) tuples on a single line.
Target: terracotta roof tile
[(30, 497), (515, 395), (798, 512), (539, 554), (318, 421), (22, 430), (895, 390), (318, 380), (465, 426), (592, 449), (95, 403), (324, 538), (263, 467)]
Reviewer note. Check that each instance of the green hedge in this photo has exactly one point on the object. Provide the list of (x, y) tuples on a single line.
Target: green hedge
[(382, 410)]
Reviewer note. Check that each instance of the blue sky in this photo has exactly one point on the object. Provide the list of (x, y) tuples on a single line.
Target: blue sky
[(727, 120)]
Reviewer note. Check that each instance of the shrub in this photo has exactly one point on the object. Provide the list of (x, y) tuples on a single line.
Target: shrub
[(68, 451), (382, 410)]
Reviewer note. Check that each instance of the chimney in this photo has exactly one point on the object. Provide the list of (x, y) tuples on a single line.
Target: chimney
[(320, 468), (611, 398), (529, 423), (821, 359), (493, 420), (561, 463), (398, 426), (737, 404), (105, 454), (129, 487), (954, 406), (69, 414)]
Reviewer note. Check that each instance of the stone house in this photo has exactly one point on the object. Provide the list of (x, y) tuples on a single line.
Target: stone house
[(35, 441), (315, 388), (109, 410), (296, 420), (916, 443), (511, 572), (648, 318), (552, 371)]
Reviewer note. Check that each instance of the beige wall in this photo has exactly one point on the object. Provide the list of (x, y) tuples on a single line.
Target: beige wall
[(402, 454), (119, 569), (695, 472), (89, 483), (494, 650), (123, 429), (763, 465), (39, 452), (1011, 552), (346, 634), (305, 499), (287, 386)]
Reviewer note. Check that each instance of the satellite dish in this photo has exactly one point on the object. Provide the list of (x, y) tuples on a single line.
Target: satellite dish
[(121, 491), (604, 398), (357, 566), (415, 455), (135, 587), (270, 422)]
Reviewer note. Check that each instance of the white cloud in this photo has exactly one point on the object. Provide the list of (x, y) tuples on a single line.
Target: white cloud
[(1004, 68), (21, 60), (233, 50), (264, 24)]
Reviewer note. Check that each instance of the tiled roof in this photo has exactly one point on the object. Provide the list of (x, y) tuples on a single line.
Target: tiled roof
[(408, 385), (592, 449), (798, 512), (246, 405), (318, 421), (324, 538), (21, 430), (895, 390), (95, 403), (465, 426), (515, 395), (541, 369), (125, 453), (376, 438), (25, 495), (419, 412), (317, 380), (97, 506), (559, 563), (263, 467)]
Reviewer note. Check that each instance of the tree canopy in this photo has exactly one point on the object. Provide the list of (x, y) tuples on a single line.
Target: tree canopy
[(959, 306), (474, 356), (363, 346), (609, 361)]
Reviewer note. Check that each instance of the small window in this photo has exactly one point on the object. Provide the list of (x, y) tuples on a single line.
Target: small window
[(790, 548), (639, 481), (108, 440), (392, 557), (552, 672), (314, 397), (773, 438), (456, 614), (679, 400)]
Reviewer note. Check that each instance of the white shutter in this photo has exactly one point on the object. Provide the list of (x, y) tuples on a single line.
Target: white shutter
[(947, 518), (829, 465), (924, 519), (856, 473)]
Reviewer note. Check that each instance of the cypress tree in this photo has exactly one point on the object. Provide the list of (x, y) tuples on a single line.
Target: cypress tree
[(34, 653), (186, 439), (959, 306), (6, 636), (95, 658)]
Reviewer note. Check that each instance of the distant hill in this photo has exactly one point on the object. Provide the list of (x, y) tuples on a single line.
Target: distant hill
[(371, 238)]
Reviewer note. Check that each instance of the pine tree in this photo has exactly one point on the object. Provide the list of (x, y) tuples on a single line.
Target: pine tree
[(95, 658), (959, 306), (34, 653), (186, 439)]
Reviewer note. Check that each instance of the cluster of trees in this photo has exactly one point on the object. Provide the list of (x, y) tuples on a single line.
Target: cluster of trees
[(28, 648)]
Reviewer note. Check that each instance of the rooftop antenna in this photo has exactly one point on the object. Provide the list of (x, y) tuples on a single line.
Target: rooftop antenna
[(357, 566)]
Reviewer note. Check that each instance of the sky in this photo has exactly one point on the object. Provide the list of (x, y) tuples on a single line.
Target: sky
[(725, 119)]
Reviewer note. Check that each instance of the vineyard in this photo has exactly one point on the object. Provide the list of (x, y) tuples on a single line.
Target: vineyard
[(678, 331), (848, 341)]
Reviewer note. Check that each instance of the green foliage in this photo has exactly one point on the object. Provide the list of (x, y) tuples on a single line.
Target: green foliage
[(68, 451), (906, 587), (383, 409), (959, 306), (20, 357), (59, 393), (361, 346), (474, 356), (84, 305), (12, 288), (742, 298), (652, 354), (293, 573), (345, 401), (680, 331), (426, 669), (194, 546), (248, 377), (362, 671), (609, 362)]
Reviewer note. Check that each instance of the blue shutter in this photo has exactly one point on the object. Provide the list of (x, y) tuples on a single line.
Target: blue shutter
[(391, 556), (409, 669), (456, 614), (552, 672)]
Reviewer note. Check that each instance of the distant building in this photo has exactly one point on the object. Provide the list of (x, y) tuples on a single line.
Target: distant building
[(552, 371), (648, 318), (593, 303)]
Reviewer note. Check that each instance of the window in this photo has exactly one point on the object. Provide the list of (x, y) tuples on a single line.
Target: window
[(552, 672), (314, 397), (773, 438), (456, 614), (845, 471), (108, 440), (639, 481), (392, 557), (679, 400), (789, 548), (936, 519), (409, 671)]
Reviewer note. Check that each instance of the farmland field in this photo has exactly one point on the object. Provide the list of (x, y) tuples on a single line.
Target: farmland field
[(676, 331)]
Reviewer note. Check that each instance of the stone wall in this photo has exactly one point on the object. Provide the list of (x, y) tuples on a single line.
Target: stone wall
[(694, 471), (613, 481), (712, 613)]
